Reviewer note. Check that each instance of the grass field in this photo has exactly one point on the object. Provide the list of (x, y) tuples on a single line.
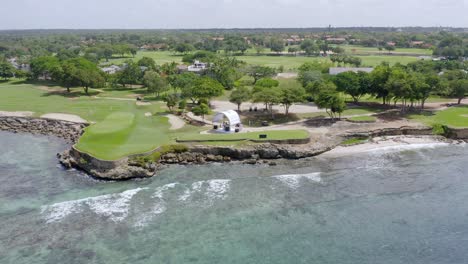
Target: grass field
[(353, 49), (354, 141), (290, 63), (456, 117), (160, 57)]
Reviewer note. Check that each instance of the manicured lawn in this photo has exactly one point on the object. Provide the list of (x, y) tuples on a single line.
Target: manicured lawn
[(354, 49), (361, 110), (354, 141), (120, 135), (271, 135), (455, 117), (290, 63), (160, 57), (121, 127)]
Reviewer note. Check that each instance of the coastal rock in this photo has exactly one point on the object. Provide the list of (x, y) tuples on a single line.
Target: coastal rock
[(68, 131)]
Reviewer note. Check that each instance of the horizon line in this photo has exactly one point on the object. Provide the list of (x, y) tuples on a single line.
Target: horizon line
[(245, 28)]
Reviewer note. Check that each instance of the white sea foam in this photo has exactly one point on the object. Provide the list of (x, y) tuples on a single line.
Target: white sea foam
[(158, 207), (404, 147), (114, 206), (217, 189), (293, 180), (160, 190), (212, 189)]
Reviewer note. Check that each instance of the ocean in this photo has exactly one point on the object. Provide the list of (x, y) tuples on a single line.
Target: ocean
[(392, 205)]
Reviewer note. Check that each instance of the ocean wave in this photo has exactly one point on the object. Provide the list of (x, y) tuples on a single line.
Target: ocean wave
[(405, 147), (212, 189), (293, 180), (158, 207), (113, 206)]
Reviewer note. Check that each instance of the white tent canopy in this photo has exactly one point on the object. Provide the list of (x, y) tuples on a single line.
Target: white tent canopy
[(231, 115)]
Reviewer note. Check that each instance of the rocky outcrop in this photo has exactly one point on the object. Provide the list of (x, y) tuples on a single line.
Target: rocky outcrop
[(107, 170), (398, 131), (252, 155), (68, 131)]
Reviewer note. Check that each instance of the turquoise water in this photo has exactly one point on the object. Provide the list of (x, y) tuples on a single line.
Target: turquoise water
[(394, 206)]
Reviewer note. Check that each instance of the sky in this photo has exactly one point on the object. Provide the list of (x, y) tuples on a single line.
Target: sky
[(174, 14)]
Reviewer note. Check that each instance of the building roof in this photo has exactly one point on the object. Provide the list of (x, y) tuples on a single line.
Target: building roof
[(231, 115), (335, 71)]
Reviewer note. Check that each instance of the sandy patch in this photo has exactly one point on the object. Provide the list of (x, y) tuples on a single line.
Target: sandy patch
[(286, 75), (16, 114), (64, 117), (176, 122)]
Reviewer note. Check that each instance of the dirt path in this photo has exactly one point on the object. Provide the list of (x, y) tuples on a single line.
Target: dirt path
[(64, 117), (176, 122)]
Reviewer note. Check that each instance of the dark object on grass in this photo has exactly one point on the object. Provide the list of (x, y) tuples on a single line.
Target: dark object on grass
[(237, 130), (139, 98), (215, 127), (262, 136)]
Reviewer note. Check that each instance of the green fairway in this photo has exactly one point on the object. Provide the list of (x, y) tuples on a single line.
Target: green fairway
[(290, 63), (160, 57), (360, 50), (454, 117), (271, 135), (121, 129), (117, 137)]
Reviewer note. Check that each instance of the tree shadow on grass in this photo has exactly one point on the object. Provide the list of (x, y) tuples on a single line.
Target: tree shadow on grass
[(71, 94), (257, 119)]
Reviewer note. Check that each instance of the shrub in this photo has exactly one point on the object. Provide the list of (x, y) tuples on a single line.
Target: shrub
[(156, 156), (182, 105), (354, 141), (440, 130)]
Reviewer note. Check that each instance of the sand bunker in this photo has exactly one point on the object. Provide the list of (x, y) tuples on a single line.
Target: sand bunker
[(64, 117)]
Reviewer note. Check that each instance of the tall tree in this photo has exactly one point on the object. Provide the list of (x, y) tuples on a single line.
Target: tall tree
[(155, 83), (379, 78), (269, 96), (258, 72), (239, 96), (86, 73), (277, 45), (6, 70), (331, 101), (310, 47), (459, 89), (349, 83), (291, 94), (203, 88), (201, 110)]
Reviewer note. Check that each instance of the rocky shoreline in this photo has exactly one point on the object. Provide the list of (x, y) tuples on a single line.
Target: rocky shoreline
[(132, 167), (69, 131)]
